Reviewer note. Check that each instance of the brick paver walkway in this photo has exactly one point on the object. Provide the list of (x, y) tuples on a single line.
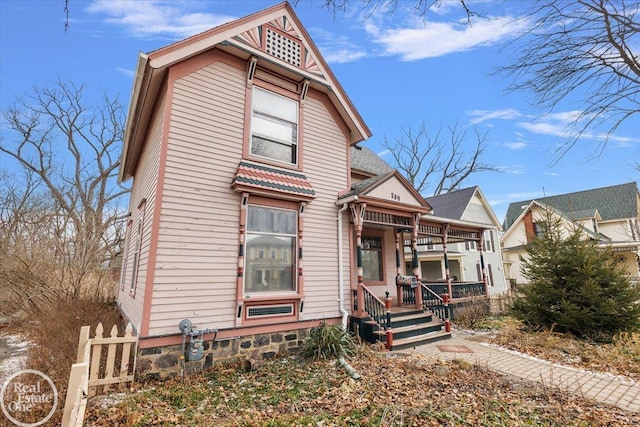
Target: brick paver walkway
[(605, 388)]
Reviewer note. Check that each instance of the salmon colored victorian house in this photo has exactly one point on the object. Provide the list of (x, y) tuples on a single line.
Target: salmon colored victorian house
[(254, 215)]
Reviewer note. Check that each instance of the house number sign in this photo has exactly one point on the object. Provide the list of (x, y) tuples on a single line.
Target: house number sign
[(395, 197)]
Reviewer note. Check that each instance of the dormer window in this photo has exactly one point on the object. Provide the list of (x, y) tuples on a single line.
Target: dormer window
[(274, 127)]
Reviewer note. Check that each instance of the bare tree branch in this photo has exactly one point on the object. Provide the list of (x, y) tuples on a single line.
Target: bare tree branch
[(69, 152), (582, 46), (437, 164)]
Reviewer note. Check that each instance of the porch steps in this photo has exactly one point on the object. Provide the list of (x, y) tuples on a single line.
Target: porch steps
[(413, 328)]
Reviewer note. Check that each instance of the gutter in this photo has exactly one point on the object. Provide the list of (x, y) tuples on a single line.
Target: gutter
[(345, 204)]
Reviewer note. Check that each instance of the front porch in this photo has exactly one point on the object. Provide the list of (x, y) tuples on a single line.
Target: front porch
[(413, 310)]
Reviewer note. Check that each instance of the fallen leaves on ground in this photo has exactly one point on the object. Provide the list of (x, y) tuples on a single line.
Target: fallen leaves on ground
[(395, 390), (620, 357)]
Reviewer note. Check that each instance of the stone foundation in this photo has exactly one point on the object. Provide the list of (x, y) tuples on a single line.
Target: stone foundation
[(165, 362)]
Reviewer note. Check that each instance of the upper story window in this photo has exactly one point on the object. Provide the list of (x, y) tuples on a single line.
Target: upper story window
[(274, 127), (488, 241)]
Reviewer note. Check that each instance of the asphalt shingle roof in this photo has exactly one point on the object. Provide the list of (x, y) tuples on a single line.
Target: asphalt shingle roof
[(617, 201), (451, 205), (365, 160)]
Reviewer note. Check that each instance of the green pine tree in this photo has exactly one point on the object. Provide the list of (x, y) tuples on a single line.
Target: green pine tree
[(575, 286)]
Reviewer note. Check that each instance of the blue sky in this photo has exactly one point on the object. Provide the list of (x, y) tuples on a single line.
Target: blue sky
[(398, 69)]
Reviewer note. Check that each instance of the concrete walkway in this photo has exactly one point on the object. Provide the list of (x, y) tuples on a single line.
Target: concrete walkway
[(614, 390)]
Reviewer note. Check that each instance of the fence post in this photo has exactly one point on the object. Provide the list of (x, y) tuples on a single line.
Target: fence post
[(82, 342), (447, 319), (76, 382)]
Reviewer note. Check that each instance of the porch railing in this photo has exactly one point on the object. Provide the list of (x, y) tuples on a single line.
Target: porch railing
[(459, 290), (376, 309), (435, 303)]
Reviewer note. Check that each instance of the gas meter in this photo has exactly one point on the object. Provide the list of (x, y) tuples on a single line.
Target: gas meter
[(194, 349)]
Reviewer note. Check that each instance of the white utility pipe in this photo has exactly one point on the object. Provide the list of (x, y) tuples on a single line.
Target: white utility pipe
[(345, 204)]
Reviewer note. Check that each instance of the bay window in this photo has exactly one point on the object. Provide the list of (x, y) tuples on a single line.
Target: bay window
[(270, 247)]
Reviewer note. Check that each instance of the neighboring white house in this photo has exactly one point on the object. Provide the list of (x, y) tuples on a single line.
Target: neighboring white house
[(469, 205), (609, 215)]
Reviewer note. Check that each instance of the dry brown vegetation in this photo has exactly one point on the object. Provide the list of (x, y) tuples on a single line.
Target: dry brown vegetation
[(53, 334), (620, 357), (400, 390)]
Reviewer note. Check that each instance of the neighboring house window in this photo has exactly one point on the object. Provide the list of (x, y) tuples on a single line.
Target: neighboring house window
[(372, 257), (270, 230), (136, 256), (471, 245), (488, 241), (594, 223), (274, 127), (489, 275), (427, 244), (538, 229), (479, 271)]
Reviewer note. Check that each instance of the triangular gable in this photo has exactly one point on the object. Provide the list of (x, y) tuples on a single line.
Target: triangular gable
[(553, 211), (280, 39), (273, 36), (390, 188), (478, 197)]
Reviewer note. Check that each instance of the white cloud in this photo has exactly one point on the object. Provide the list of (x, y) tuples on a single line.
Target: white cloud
[(149, 18), (336, 48), (484, 115), (516, 145), (565, 125), (125, 71), (552, 174), (427, 39), (512, 169)]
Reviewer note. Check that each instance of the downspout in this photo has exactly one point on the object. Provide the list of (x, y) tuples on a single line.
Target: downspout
[(345, 204)]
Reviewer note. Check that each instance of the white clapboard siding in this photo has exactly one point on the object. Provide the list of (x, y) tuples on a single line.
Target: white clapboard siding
[(198, 236), (144, 187), (325, 165)]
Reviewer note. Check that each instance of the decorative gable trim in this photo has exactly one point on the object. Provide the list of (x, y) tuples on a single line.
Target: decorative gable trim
[(260, 179)]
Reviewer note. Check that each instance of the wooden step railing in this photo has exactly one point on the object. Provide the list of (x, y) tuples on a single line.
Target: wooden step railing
[(376, 309), (438, 305)]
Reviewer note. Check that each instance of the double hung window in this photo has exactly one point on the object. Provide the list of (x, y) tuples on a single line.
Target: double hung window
[(270, 247), (274, 127)]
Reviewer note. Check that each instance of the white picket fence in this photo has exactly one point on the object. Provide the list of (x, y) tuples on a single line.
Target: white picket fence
[(88, 373)]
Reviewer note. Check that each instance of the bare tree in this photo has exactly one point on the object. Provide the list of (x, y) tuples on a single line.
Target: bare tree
[(420, 7), (437, 163), (70, 152), (582, 46)]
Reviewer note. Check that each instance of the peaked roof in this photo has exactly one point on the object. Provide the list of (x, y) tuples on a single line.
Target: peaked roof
[(614, 202), (365, 160), (453, 204), (368, 186), (554, 211), (273, 37)]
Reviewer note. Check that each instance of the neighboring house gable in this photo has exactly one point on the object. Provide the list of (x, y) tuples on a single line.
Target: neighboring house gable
[(469, 204), (608, 215)]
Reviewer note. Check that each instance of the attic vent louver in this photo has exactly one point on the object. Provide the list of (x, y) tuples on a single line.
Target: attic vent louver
[(283, 48)]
